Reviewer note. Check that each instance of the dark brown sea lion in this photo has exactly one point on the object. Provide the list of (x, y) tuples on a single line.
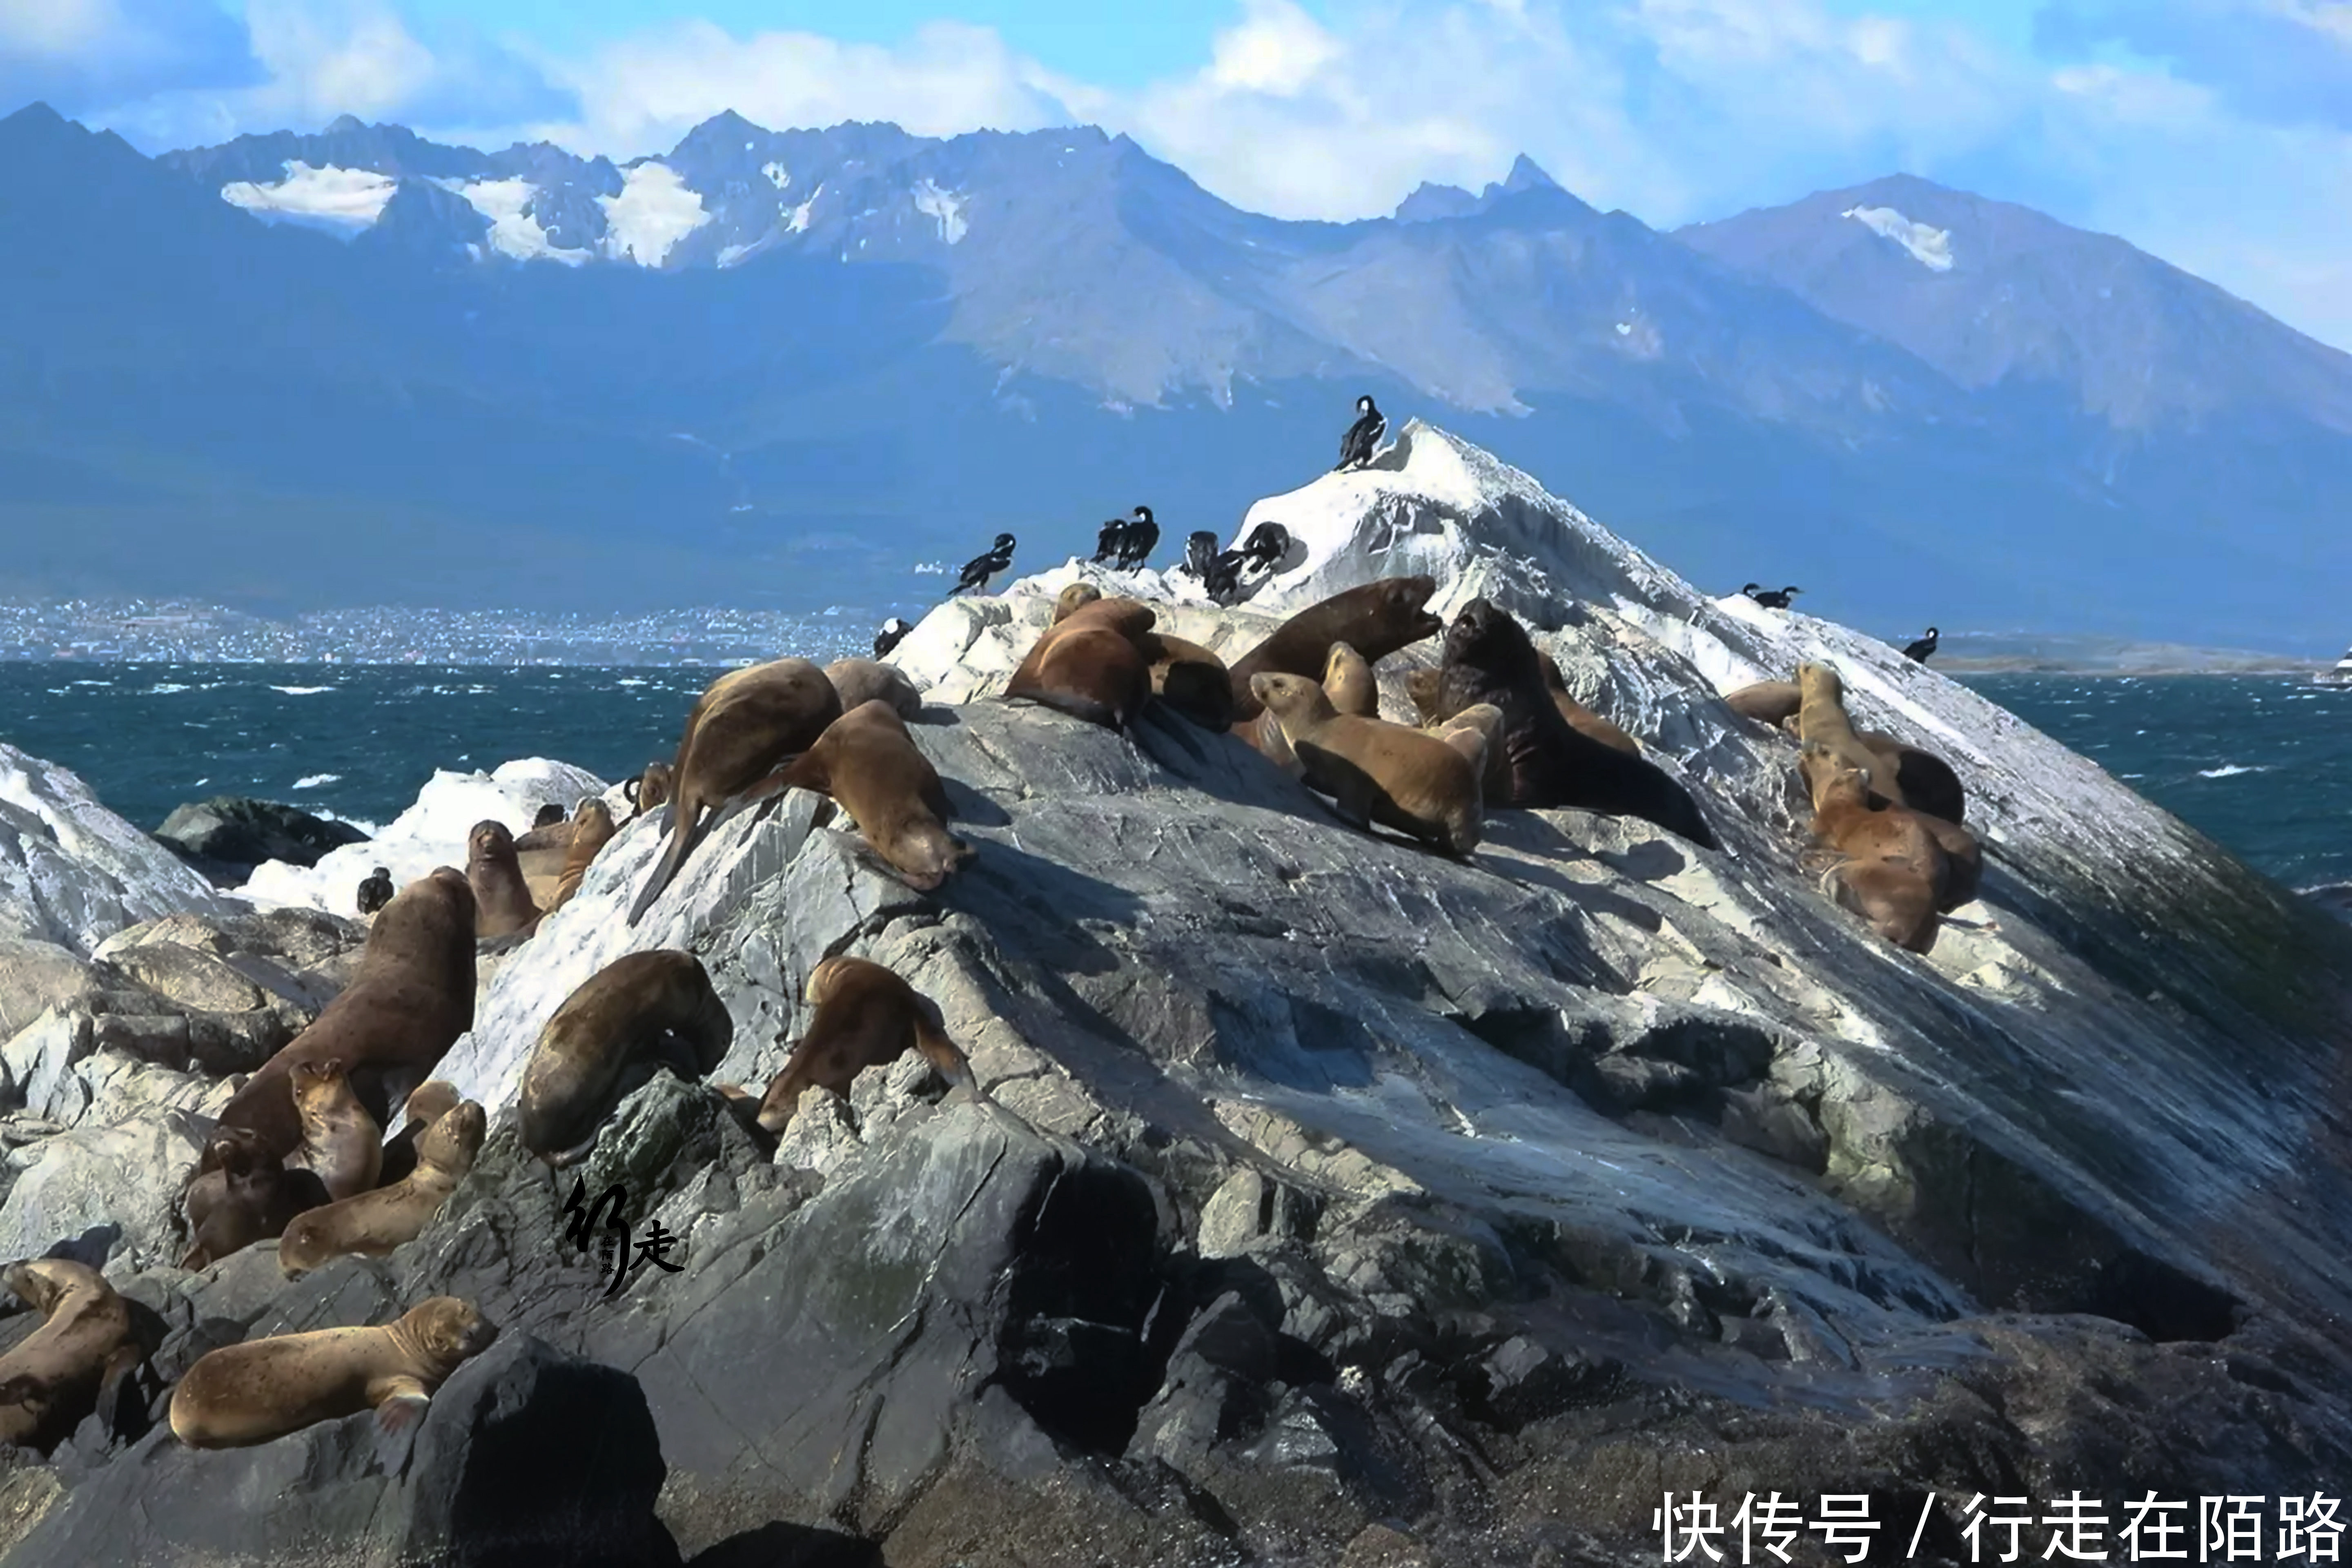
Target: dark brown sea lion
[(1927, 782), (371, 1223), (502, 900), (747, 724), (1585, 719), (240, 1194), (245, 1393), (1375, 619), (343, 1145), (869, 764), (865, 1016), (1190, 679), (1404, 778), (1090, 664), (411, 997), (642, 1010), (1490, 658), (52, 1378)]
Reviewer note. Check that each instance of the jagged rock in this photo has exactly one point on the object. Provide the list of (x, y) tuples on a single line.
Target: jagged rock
[(115, 1178), (226, 837), (525, 1455)]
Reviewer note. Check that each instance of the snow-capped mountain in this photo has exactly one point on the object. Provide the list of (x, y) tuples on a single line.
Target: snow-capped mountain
[(790, 363)]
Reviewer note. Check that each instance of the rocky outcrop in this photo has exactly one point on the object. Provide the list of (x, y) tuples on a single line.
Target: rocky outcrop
[(227, 836), (1339, 1202)]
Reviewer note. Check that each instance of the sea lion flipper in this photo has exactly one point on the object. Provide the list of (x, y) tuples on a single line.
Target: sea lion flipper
[(397, 1419)]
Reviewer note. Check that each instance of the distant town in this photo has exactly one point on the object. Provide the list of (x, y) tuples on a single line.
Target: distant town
[(141, 631)]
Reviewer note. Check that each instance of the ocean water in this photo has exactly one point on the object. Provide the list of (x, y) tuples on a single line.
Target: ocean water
[(2262, 764)]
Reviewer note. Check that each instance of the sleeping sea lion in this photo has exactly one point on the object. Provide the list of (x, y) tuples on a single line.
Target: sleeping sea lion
[(1091, 663), (371, 1223), (641, 1010), (53, 1377), (591, 829), (1377, 771)]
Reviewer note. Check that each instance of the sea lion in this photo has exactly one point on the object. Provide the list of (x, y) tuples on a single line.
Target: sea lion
[(1189, 679), (1349, 682), (1477, 733), (373, 1223), (245, 1393), (590, 831), (1378, 772), (1927, 782), (858, 681), (411, 998), (647, 790), (1887, 867), (343, 1145), (502, 901), (866, 1015), (1963, 868), (52, 1378), (1490, 658), (1420, 687), (1376, 619), (434, 1098), (869, 764), (1765, 702), (1089, 663), (1821, 721), (641, 1009), (239, 1193), (1584, 719), (745, 725), (548, 815)]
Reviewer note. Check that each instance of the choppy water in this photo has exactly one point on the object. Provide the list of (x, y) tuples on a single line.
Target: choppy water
[(2262, 764)]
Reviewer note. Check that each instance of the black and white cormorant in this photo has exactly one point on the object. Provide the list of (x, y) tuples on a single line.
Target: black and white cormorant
[(1200, 554), (1771, 598), (894, 632), (1267, 543), (1356, 447), (375, 891), (981, 571), (1920, 649), (1140, 538), (1111, 543)]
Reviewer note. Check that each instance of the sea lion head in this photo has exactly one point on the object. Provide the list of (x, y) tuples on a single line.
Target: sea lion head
[(548, 815), (1292, 697), (1072, 597), (932, 854), (233, 1149), (489, 842), (37, 1281), (1342, 656), (451, 1141), (432, 1098), (1405, 601), (1829, 776), (1490, 640), (445, 1330), (594, 819), (316, 1080)]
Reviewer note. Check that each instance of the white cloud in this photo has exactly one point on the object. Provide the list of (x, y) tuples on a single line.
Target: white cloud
[(55, 29)]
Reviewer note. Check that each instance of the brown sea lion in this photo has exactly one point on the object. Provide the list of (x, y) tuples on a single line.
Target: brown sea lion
[(1490, 658), (865, 1016), (745, 726), (1821, 721), (1765, 702), (1075, 597), (502, 900), (343, 1145), (1927, 782), (869, 764), (1584, 719), (371, 1223), (251, 1392), (1190, 679), (1091, 663), (590, 831), (239, 1193), (1377, 771), (1349, 682), (1963, 866), (1420, 687), (52, 1378), (1887, 867), (1477, 733), (434, 1098), (647, 790), (1375, 619), (411, 998), (858, 681), (642, 1010)]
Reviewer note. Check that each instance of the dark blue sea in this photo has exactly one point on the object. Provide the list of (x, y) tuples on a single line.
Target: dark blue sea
[(2261, 763)]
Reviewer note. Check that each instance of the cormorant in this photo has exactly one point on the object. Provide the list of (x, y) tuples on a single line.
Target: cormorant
[(1111, 541), (1920, 649), (1356, 445), (1201, 554), (1771, 599), (1141, 538), (981, 571), (375, 891), (894, 632), (1268, 543)]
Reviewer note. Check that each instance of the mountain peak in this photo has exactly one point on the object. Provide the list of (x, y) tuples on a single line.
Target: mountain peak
[(1429, 203), (36, 113), (344, 125), (1526, 175)]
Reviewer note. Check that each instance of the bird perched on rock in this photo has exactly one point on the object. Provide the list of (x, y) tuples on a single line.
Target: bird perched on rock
[(1919, 650), (1771, 598), (375, 891), (1201, 554), (1268, 543), (1111, 544), (894, 632), (1140, 538), (981, 571), (1356, 447)]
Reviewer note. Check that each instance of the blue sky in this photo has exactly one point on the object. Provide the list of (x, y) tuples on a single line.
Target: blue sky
[(2215, 133)]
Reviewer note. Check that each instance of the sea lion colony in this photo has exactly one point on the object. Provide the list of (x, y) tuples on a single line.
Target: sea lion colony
[(297, 1154)]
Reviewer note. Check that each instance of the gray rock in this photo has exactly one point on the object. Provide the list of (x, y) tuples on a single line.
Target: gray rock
[(72, 872), (227, 836)]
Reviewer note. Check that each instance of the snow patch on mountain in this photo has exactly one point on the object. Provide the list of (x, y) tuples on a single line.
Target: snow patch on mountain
[(797, 220), (514, 230), (655, 210), (338, 201), (946, 206), (777, 176), (1931, 247)]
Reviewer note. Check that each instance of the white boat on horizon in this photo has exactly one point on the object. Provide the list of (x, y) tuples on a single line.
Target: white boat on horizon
[(2339, 675)]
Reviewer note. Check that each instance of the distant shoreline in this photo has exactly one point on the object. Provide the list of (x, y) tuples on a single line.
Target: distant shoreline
[(2060, 667)]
